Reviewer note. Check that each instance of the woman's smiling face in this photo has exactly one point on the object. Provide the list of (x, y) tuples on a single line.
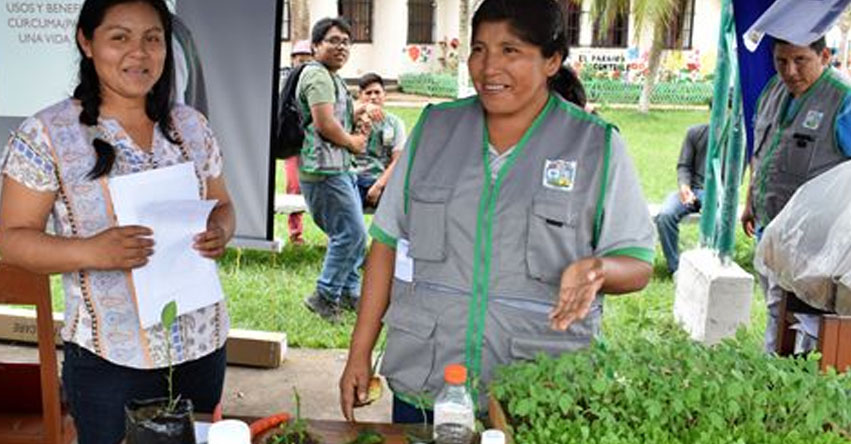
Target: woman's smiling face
[(508, 73), (128, 50)]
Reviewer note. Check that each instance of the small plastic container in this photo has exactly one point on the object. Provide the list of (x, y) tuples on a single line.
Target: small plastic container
[(493, 436), (453, 409)]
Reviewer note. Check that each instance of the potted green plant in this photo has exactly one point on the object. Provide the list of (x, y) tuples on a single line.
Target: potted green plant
[(161, 420), (282, 428)]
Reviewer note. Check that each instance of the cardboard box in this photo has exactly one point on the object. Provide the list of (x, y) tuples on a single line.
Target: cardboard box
[(18, 324), (244, 347), (256, 348)]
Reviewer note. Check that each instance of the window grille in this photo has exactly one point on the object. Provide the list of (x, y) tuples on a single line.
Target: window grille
[(421, 21), (359, 15)]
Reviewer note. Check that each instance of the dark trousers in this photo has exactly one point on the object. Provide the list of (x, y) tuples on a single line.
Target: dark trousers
[(97, 389), (405, 413)]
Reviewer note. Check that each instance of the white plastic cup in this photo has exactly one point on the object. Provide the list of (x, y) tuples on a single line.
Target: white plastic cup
[(493, 436), (229, 431)]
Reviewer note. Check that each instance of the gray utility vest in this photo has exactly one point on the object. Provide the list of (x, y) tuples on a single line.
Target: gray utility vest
[(491, 254), (791, 152), (318, 155)]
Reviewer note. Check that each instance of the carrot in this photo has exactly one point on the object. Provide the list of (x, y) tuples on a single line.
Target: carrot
[(263, 424)]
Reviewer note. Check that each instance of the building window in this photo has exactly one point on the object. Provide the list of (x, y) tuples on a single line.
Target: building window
[(616, 36), (286, 22), (421, 21), (573, 21), (678, 35), (359, 15)]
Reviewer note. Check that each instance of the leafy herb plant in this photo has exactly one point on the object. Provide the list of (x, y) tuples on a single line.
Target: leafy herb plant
[(671, 390)]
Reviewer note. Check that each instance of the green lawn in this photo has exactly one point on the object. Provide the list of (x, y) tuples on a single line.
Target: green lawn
[(265, 291)]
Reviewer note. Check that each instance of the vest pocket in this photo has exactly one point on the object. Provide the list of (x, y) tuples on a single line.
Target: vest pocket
[(798, 155), (427, 223), (409, 355), (551, 239)]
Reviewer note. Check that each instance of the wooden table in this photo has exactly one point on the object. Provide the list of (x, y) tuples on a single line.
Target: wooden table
[(341, 432)]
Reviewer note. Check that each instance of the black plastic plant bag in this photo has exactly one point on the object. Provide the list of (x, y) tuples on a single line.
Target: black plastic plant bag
[(149, 423)]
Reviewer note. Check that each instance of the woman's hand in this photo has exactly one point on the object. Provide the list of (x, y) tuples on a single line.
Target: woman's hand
[(354, 385), (580, 283), (211, 243), (120, 248)]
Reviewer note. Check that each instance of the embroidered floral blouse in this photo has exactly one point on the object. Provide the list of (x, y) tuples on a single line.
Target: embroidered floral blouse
[(52, 152)]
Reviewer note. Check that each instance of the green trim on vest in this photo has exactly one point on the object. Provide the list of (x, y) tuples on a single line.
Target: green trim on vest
[(642, 254), (580, 113), (487, 204), (601, 198), (416, 135), (381, 236), (836, 81)]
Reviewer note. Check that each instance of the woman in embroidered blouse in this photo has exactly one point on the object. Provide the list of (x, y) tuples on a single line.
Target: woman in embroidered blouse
[(121, 120)]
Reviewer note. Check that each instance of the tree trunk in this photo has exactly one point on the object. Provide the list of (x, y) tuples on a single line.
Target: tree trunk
[(300, 15), (653, 65)]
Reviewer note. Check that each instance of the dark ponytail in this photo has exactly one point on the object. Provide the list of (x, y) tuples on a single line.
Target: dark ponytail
[(567, 84), (158, 102), (540, 23)]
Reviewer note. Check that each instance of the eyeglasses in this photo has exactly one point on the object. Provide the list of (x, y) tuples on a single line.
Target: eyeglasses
[(336, 41)]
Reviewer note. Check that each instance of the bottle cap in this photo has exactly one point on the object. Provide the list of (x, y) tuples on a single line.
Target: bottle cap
[(493, 436), (455, 374)]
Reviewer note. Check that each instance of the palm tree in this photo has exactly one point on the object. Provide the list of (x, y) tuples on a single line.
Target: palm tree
[(654, 13)]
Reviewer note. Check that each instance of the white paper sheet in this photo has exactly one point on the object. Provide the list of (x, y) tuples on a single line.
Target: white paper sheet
[(166, 200), (404, 268), (797, 21)]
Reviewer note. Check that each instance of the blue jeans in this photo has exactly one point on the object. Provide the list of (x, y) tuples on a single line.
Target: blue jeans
[(97, 389), (335, 206), (364, 184), (668, 225)]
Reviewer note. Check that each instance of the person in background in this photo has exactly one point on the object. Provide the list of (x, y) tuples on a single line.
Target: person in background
[(120, 121), (508, 218), (385, 143), (325, 169), (802, 129), (687, 200), (300, 54)]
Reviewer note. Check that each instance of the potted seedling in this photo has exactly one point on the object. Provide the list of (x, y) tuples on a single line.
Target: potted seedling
[(161, 420), (282, 428), (422, 433)]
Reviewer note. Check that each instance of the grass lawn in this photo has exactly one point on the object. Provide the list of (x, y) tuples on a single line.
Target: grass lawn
[(265, 291)]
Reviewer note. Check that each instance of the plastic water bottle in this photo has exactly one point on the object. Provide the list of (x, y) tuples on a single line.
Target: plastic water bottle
[(453, 408)]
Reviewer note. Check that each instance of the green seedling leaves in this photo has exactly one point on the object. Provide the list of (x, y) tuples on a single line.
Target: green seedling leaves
[(168, 315)]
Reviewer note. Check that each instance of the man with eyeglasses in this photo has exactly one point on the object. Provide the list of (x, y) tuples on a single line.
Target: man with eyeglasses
[(326, 170)]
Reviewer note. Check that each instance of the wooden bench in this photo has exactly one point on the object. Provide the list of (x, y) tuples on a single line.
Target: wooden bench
[(834, 338)]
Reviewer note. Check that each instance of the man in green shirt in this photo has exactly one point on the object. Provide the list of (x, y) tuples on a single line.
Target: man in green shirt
[(325, 173), (385, 143)]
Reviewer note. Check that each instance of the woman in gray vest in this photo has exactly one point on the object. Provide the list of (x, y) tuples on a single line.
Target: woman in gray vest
[(509, 215)]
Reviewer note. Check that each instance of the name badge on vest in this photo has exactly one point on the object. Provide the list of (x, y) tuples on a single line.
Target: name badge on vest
[(813, 120), (559, 174)]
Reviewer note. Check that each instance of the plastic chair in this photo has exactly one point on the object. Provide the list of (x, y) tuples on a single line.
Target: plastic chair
[(834, 339), (30, 421)]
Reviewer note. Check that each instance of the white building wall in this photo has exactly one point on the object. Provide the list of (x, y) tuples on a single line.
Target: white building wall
[(389, 55)]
